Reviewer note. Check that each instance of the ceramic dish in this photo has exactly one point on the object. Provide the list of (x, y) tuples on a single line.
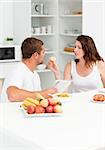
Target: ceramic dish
[(98, 102), (41, 114), (63, 97), (99, 98)]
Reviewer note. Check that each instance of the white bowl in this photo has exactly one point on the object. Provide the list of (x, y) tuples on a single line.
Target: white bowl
[(41, 66)]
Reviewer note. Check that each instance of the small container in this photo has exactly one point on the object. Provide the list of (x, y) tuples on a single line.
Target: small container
[(41, 8), (43, 29), (37, 30), (49, 29), (41, 67)]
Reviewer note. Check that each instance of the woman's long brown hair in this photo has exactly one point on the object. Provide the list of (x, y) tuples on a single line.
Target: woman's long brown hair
[(91, 54)]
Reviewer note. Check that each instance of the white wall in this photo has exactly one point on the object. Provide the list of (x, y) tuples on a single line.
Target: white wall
[(21, 20), (6, 19), (14, 20), (1, 20), (94, 22)]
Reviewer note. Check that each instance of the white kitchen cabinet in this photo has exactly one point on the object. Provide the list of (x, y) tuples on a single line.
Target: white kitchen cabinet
[(6, 20), (94, 22), (1, 22), (65, 25), (54, 22), (65, 21), (44, 25), (70, 26), (6, 67), (21, 20)]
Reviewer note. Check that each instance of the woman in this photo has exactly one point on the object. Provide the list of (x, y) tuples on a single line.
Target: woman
[(87, 72)]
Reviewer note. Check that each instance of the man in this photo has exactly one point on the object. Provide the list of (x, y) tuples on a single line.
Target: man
[(24, 81)]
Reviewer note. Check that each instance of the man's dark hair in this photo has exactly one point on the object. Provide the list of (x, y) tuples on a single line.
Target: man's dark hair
[(30, 46)]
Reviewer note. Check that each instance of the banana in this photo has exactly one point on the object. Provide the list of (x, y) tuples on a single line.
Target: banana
[(33, 101), (28, 103), (39, 97), (23, 106)]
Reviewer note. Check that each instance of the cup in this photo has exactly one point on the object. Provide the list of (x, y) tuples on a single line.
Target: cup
[(43, 29), (37, 30), (41, 67), (66, 12), (49, 29)]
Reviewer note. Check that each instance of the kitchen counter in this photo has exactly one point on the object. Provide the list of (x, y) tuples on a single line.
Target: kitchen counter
[(80, 127)]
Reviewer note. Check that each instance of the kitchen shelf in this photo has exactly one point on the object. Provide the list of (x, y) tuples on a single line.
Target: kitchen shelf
[(50, 52), (43, 16), (61, 18), (65, 34), (47, 34), (67, 53), (71, 16)]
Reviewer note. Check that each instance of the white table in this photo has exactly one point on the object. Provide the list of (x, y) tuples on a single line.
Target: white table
[(80, 127)]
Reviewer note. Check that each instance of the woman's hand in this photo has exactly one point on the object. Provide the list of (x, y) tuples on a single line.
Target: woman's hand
[(52, 65)]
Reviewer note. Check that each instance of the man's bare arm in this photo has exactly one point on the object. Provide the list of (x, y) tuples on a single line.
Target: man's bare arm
[(16, 95)]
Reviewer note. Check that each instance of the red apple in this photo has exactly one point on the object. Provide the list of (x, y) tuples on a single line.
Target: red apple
[(52, 102), (49, 109), (58, 109), (44, 103), (40, 109), (31, 109)]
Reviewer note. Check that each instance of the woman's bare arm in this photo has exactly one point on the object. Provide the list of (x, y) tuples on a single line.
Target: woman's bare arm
[(101, 66), (67, 71), (52, 65)]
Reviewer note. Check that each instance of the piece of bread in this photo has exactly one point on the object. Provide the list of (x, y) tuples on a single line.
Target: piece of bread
[(52, 59), (69, 49), (99, 97)]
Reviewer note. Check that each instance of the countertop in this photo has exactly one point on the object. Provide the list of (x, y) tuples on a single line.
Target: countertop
[(81, 126)]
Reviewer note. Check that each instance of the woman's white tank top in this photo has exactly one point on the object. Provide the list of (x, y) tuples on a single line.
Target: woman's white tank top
[(89, 82)]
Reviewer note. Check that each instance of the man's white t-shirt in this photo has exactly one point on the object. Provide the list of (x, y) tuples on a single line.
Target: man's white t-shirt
[(22, 77)]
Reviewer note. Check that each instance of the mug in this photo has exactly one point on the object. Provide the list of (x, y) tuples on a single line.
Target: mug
[(39, 8), (43, 29), (49, 29), (37, 30)]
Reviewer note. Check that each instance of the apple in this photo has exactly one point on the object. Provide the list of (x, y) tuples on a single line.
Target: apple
[(49, 109), (40, 109), (52, 102), (58, 108), (44, 103), (31, 109)]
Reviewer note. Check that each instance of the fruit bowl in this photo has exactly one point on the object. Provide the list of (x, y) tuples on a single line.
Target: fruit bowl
[(41, 114), (41, 106)]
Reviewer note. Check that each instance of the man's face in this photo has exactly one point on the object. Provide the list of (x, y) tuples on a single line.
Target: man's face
[(41, 55)]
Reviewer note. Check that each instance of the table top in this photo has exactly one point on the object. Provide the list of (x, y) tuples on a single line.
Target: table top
[(80, 127)]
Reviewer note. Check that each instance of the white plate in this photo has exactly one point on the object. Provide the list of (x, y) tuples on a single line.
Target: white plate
[(62, 99), (40, 115), (98, 102), (101, 90)]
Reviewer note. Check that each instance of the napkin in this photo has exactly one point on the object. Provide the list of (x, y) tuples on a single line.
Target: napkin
[(62, 85)]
